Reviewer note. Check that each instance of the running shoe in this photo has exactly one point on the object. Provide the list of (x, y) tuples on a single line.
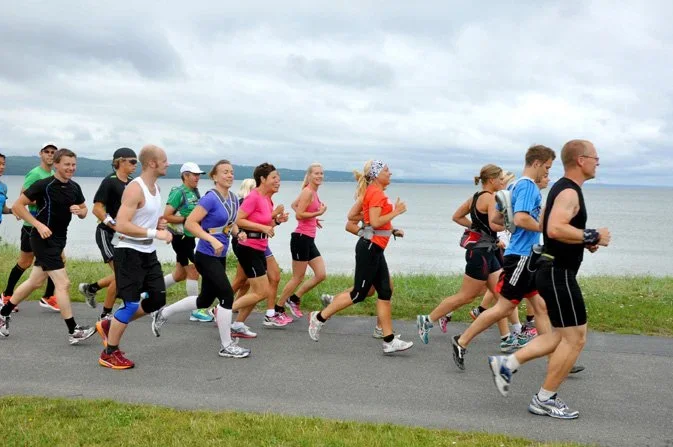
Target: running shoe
[(512, 343), (5, 300), (4, 325), (288, 319), (242, 332), (50, 303), (458, 352), (213, 312), (423, 325), (158, 320), (80, 334), (326, 299), (115, 360), (474, 313), (234, 351), (530, 327), (105, 317), (378, 333), (201, 315), (444, 321), (276, 321), (553, 407), (89, 296), (314, 326), (525, 337), (397, 345), (103, 329), (294, 308), (577, 368), (502, 376)]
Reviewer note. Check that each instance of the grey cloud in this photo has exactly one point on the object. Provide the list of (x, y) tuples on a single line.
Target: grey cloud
[(358, 72)]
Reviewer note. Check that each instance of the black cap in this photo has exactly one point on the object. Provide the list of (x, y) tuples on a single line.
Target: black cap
[(123, 152)]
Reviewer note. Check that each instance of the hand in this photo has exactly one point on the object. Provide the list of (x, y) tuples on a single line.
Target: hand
[(501, 244), (605, 237), (268, 231), (43, 230), (162, 224), (280, 209), (217, 246), (400, 207), (592, 248), (164, 235), (78, 211), (283, 217), (242, 236), (322, 209), (398, 233), (318, 223)]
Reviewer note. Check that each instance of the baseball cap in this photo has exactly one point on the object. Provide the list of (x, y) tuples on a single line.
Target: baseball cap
[(191, 167), (49, 145), (123, 152)]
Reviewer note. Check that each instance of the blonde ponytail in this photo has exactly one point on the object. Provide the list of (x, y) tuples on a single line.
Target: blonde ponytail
[(361, 179)]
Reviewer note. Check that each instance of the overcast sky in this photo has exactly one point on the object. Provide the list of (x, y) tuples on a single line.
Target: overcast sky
[(434, 88)]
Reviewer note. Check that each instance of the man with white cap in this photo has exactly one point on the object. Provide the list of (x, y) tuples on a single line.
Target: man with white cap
[(26, 256), (181, 202)]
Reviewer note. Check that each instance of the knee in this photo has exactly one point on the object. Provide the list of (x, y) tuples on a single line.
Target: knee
[(320, 277), (203, 302), (179, 275), (125, 313), (154, 302)]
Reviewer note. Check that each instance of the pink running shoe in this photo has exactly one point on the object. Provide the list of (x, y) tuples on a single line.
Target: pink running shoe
[(444, 321), (294, 308), (276, 321)]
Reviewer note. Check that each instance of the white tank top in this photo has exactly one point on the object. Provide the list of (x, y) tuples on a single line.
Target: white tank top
[(145, 217)]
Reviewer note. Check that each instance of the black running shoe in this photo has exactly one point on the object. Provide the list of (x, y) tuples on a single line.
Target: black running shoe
[(458, 352)]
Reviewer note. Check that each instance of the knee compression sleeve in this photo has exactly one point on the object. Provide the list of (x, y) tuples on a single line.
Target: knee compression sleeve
[(125, 313), (154, 302)]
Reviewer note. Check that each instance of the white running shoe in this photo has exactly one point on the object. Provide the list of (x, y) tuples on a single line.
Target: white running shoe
[(314, 326), (397, 345)]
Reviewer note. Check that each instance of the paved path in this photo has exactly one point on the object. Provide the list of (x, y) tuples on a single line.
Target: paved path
[(625, 395)]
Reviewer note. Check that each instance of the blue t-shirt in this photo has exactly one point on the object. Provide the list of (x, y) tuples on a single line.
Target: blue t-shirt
[(3, 198), (526, 198), (220, 214)]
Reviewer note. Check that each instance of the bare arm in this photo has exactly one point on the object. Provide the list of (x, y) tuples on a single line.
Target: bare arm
[(171, 217), (526, 221), (101, 214), (493, 214), (80, 210), (131, 201), (355, 213), (377, 220), (19, 210), (303, 201), (566, 206), (6, 209), (460, 216)]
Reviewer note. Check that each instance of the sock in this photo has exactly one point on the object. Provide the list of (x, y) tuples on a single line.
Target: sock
[(192, 287), (269, 312), (14, 277), (237, 324), (516, 328), (93, 287), (106, 310), (545, 395), (7, 309), (279, 309), (504, 337), (512, 363), (168, 280), (184, 305), (70, 322), (432, 323), (481, 309), (530, 318), (224, 325), (111, 348), (49, 291), (295, 299), (320, 318), (389, 338)]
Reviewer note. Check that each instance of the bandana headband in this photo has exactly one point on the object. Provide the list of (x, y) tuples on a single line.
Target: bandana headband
[(375, 169)]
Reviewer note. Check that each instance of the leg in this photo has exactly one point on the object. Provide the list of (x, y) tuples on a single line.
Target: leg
[(469, 289), (61, 288), (35, 280), (319, 275), (273, 274), (298, 272)]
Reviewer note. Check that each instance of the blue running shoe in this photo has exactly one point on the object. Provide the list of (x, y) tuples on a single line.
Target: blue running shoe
[(423, 324), (553, 407), (201, 315), (502, 375)]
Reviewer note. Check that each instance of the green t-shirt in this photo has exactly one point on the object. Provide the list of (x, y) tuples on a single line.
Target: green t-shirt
[(35, 174), (183, 200)]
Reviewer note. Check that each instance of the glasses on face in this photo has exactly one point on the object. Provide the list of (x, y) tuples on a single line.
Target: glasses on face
[(133, 161), (589, 156)]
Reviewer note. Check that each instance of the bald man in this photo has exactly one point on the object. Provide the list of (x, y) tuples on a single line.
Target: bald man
[(565, 239), (137, 269)]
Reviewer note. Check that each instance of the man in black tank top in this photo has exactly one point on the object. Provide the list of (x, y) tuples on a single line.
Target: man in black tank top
[(565, 238)]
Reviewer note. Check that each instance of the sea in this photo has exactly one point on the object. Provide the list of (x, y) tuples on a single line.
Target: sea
[(634, 216)]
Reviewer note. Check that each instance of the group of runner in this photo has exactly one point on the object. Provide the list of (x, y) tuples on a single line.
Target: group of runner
[(132, 216)]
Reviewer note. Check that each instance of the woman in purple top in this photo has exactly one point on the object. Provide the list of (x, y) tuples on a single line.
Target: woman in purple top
[(211, 221)]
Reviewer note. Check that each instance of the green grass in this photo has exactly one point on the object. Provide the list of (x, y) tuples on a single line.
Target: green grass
[(620, 304), (37, 421)]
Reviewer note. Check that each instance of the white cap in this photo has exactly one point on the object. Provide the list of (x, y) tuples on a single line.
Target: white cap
[(49, 144), (191, 167)]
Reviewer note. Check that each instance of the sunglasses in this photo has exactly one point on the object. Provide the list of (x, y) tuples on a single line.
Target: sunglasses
[(133, 161)]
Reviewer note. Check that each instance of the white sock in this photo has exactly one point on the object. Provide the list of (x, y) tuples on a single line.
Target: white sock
[(184, 305), (237, 324), (544, 394), (224, 325), (516, 328), (512, 363), (270, 312), (192, 287), (169, 280)]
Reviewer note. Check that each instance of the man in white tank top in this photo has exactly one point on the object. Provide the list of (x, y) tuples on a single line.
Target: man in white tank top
[(137, 268)]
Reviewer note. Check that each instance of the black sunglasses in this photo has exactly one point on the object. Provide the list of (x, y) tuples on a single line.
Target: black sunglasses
[(133, 161)]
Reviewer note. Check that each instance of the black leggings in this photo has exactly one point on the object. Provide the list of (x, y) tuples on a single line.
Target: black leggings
[(371, 269), (215, 283)]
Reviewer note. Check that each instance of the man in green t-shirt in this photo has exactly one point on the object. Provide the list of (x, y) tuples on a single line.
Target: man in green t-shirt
[(26, 257), (181, 201)]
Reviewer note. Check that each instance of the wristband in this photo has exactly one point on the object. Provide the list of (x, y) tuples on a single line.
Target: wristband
[(151, 233), (591, 237), (276, 220), (108, 220)]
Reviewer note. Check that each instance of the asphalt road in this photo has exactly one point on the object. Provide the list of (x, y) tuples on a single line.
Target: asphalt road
[(625, 395)]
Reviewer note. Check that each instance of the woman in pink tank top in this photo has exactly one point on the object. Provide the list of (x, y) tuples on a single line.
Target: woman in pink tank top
[(308, 208)]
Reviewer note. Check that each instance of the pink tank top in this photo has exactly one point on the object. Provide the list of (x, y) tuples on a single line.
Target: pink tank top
[(309, 226)]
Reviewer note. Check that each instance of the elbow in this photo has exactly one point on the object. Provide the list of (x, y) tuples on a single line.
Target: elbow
[(457, 220), (553, 232)]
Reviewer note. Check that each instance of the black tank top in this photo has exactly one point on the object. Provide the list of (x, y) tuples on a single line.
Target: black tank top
[(567, 256), (479, 219)]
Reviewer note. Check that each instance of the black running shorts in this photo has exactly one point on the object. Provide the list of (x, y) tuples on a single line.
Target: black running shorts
[(137, 272), (183, 246), (104, 242), (371, 269), (517, 280), (48, 252), (25, 239), (481, 262), (303, 247), (562, 295), (253, 262)]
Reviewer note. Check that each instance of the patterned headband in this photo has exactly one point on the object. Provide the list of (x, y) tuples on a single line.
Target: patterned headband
[(375, 169)]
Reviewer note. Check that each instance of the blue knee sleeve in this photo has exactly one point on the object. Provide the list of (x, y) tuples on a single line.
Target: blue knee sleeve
[(127, 311)]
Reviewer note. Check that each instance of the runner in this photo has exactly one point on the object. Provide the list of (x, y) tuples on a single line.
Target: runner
[(302, 242), (482, 258), (565, 238), (137, 268), (26, 257), (181, 201), (516, 280), (57, 198), (3, 192), (212, 221), (371, 268), (107, 200)]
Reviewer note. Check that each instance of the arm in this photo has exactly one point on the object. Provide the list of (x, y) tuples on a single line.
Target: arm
[(6, 209), (355, 213), (132, 198), (99, 211), (463, 210), (80, 210), (524, 220), (377, 220), (245, 224), (171, 217), (493, 215), (303, 202), (566, 206), (193, 225), (20, 211)]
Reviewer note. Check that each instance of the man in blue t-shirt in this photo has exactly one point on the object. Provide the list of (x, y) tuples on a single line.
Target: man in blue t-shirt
[(3, 190), (517, 276)]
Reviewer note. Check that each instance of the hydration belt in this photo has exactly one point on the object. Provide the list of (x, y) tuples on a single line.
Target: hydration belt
[(226, 229), (476, 239), (368, 232), (118, 237), (256, 235)]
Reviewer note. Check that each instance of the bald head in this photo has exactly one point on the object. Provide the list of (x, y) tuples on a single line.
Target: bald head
[(573, 149), (149, 153)]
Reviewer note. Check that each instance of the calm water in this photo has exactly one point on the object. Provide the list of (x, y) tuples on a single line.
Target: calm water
[(431, 241)]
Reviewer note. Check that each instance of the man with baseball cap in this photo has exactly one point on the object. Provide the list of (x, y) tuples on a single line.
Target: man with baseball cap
[(181, 201), (107, 201), (26, 257)]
